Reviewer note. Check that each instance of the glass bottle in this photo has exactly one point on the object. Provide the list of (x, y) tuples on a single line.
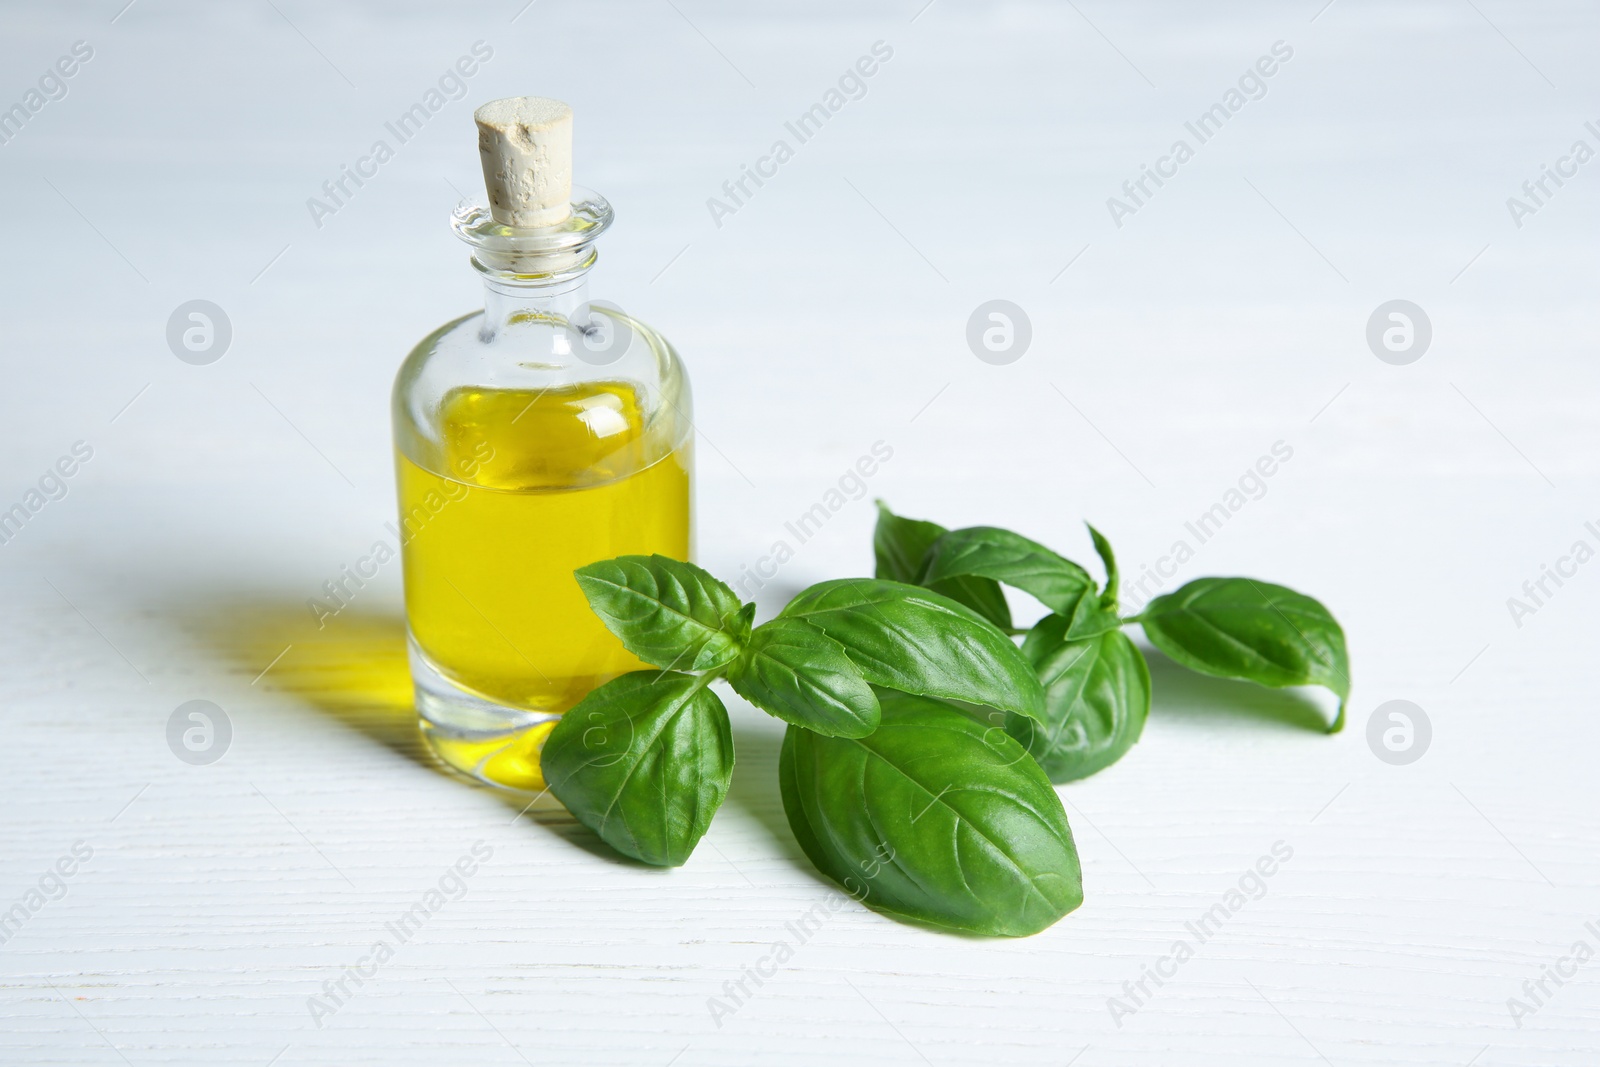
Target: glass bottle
[(543, 433)]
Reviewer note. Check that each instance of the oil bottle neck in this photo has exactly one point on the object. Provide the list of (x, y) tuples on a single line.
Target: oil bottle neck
[(557, 302), (538, 274)]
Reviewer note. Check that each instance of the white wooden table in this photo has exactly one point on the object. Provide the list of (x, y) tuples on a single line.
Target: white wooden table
[(1227, 313)]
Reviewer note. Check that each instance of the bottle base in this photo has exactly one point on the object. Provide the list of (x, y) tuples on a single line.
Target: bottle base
[(487, 742)]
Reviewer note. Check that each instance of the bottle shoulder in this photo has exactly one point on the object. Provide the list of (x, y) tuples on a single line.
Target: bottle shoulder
[(534, 357), (606, 341)]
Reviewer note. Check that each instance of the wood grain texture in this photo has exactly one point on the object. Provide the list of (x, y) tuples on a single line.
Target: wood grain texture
[(1169, 354)]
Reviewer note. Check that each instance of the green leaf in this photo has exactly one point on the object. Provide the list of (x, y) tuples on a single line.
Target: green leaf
[(1257, 631), (933, 818), (798, 673), (644, 761), (990, 552), (666, 612), (900, 548), (1096, 699), (917, 641), (899, 545), (1090, 618), (1102, 547)]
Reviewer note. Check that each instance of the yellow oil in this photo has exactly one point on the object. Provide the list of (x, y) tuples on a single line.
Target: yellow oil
[(527, 486), (512, 761)]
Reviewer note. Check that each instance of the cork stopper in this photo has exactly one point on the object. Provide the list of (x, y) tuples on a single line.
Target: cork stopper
[(526, 144)]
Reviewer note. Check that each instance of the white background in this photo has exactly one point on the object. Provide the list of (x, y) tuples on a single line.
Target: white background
[(828, 313)]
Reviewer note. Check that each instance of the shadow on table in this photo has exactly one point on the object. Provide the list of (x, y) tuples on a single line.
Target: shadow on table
[(755, 790), (1177, 693), (354, 670)]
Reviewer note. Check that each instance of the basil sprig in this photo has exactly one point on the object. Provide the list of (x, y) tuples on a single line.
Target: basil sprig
[(645, 760), (922, 741), (1096, 682)]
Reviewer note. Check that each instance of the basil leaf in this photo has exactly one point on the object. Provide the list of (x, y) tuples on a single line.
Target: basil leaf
[(644, 761), (1090, 617), (1257, 631), (900, 548), (667, 612), (917, 641), (990, 552), (1096, 699), (899, 545), (1102, 547), (798, 673), (933, 818)]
